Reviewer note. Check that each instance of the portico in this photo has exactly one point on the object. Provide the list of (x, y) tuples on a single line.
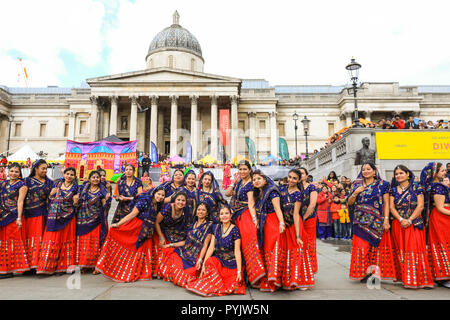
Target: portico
[(188, 101)]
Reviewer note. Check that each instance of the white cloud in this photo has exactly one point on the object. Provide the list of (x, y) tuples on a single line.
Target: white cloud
[(41, 29), (285, 42), (295, 42)]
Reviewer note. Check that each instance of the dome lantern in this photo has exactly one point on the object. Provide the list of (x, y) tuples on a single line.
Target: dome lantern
[(175, 47)]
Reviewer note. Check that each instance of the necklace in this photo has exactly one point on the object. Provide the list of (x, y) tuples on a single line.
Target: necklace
[(129, 184), (175, 213), (94, 190), (67, 187), (209, 190), (198, 223), (223, 233), (403, 189)]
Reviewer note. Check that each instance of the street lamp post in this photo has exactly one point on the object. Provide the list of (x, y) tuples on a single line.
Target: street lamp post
[(295, 117), (353, 70), (305, 123)]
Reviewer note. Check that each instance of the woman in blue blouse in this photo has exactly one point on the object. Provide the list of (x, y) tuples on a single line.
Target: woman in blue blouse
[(439, 221), (221, 273), (371, 245), (181, 260), (408, 232)]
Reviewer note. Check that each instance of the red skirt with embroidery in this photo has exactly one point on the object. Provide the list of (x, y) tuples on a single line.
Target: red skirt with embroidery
[(410, 256), (365, 256), (58, 250), (171, 269), (254, 266), (297, 270), (273, 254), (120, 260), (439, 245), (88, 249), (310, 228), (156, 255), (34, 231), (13, 255), (217, 280)]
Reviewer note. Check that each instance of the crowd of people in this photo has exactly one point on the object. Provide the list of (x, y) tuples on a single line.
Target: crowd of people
[(184, 230), (394, 123)]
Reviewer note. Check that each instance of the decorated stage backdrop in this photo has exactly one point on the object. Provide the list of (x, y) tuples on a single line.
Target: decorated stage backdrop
[(88, 156)]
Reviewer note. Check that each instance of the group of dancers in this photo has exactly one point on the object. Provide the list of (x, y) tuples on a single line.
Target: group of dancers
[(401, 229), (185, 232)]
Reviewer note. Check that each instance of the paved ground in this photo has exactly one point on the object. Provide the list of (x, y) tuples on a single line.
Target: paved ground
[(332, 282)]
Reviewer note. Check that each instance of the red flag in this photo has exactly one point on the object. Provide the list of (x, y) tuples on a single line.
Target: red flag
[(224, 125)]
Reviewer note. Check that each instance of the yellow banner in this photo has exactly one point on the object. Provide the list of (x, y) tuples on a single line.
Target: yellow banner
[(413, 145)]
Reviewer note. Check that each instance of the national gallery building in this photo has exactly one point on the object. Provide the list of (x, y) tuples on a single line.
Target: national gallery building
[(173, 101)]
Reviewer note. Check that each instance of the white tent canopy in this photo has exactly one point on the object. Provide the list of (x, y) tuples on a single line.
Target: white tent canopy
[(23, 154)]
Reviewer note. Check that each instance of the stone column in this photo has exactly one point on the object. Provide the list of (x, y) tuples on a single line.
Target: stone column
[(273, 134), (369, 115), (194, 133), (348, 118), (93, 120), (71, 133), (252, 130), (154, 121), (214, 141), (113, 115), (234, 126), (173, 125), (106, 118), (133, 118), (161, 144), (101, 121)]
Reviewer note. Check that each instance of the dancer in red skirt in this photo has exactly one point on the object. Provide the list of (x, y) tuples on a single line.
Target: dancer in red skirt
[(35, 213), (438, 196), (190, 188), (181, 261), (408, 232), (129, 188), (126, 255), (221, 272), (91, 222), (173, 186), (13, 257), (244, 216), (172, 222), (309, 216), (109, 197), (297, 270), (58, 244), (271, 227), (372, 245)]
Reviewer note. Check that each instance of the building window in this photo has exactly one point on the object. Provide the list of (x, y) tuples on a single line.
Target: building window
[(262, 126), (18, 130), (281, 131), (42, 129), (82, 126), (66, 129), (192, 64), (171, 61), (330, 128), (242, 125), (124, 123)]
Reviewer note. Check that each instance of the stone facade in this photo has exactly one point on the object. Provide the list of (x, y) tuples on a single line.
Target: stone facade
[(173, 101)]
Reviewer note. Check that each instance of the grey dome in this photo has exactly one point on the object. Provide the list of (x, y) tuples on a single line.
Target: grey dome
[(177, 38)]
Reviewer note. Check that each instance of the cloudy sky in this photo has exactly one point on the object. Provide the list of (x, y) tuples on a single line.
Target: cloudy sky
[(63, 42)]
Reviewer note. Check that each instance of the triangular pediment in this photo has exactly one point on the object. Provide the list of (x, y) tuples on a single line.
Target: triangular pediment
[(159, 75)]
